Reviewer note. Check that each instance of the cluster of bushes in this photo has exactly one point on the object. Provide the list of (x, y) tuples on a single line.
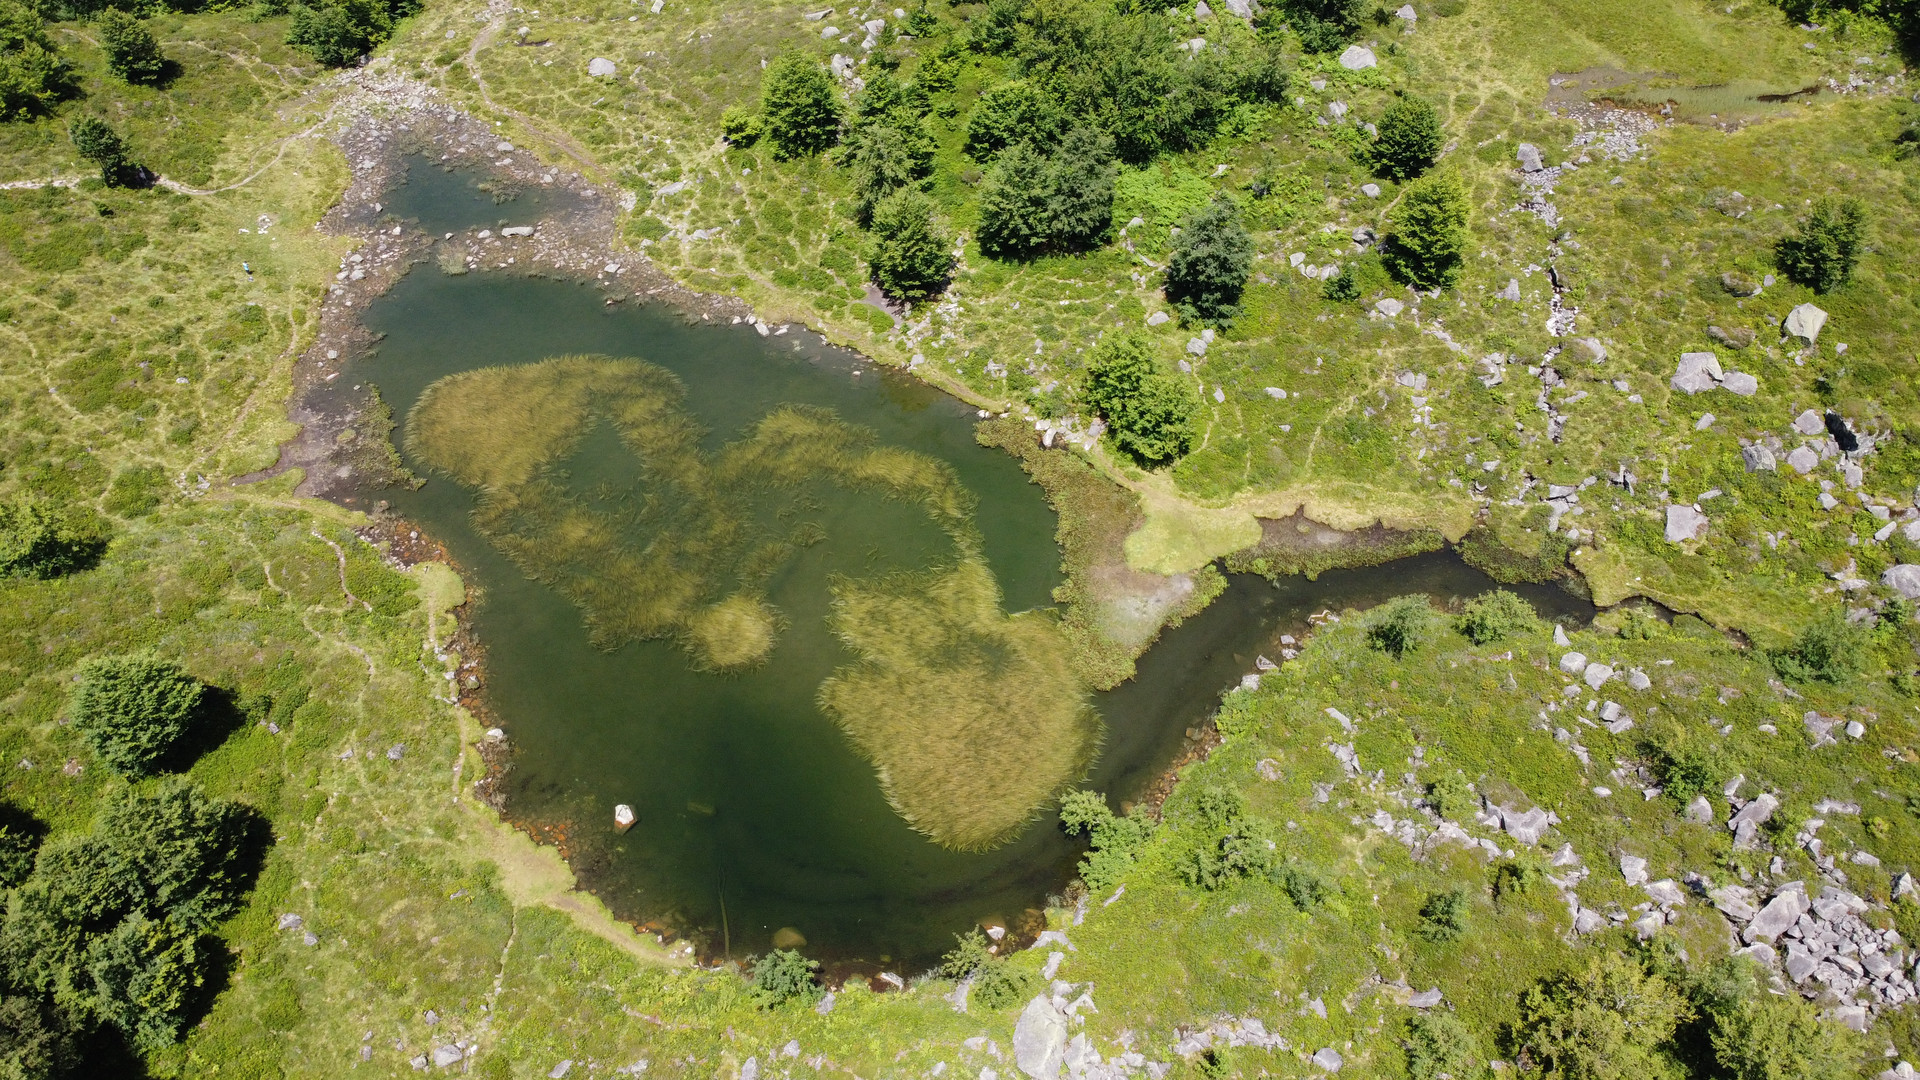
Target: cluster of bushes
[(995, 983), (39, 539), (1152, 412), (338, 32), (1823, 250), (1113, 841), (1323, 26), (33, 76)]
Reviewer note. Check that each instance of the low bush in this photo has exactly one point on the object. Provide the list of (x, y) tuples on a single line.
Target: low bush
[(1114, 841), (1001, 985), (1496, 616), (1440, 1046), (784, 975), (1452, 798), (1401, 626), (40, 540), (1151, 411), (1828, 650), (1824, 249), (1443, 917)]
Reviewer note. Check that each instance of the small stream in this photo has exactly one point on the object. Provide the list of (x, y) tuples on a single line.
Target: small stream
[(755, 814)]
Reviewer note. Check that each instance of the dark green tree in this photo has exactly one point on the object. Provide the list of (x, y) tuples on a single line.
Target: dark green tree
[(1429, 239), (132, 52), (339, 32), (886, 157), (996, 30), (784, 975), (969, 954), (32, 74), (37, 1041), (99, 143), (1009, 113), (1152, 413), (1828, 650), (1080, 178), (801, 113), (144, 976), (1001, 985), (1016, 218), (740, 126), (909, 255), (1762, 1036), (1113, 840), (1443, 918), (1824, 249), (38, 540), (1323, 26), (1212, 258), (1410, 139), (134, 709)]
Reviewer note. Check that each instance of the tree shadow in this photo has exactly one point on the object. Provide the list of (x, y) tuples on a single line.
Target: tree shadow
[(219, 716)]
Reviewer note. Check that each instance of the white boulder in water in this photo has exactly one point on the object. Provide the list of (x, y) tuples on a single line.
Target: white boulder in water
[(623, 818)]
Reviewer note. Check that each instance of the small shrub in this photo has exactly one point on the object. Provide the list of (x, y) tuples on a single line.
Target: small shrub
[(969, 954), (784, 975), (1496, 616), (1452, 798), (1323, 26), (1443, 918), (1517, 877), (1000, 985), (740, 125), (1686, 770), (1212, 258), (1224, 845), (801, 115), (1344, 286), (19, 839), (1410, 138), (1303, 887), (39, 541), (1428, 242), (1401, 626), (1440, 1046), (1828, 650), (134, 709), (1824, 249), (1611, 1020), (132, 52), (1115, 841)]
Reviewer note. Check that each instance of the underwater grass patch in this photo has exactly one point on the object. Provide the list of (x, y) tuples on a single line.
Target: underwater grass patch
[(971, 718)]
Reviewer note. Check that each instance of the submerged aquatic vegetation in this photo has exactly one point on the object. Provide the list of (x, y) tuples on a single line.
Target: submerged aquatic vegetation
[(973, 719)]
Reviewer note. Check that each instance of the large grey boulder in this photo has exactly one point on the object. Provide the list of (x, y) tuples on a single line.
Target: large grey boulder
[(1810, 422), (1510, 292), (1803, 459), (1700, 811), (1040, 1039), (1666, 891), (1239, 9), (1804, 322), (1758, 812), (1903, 579), (1573, 663), (1758, 458), (1634, 869), (1388, 306), (600, 67), (1329, 1059), (1527, 828), (1735, 902), (1684, 523), (1780, 913), (1740, 383), (1357, 57), (1698, 372), (1596, 674), (1529, 157)]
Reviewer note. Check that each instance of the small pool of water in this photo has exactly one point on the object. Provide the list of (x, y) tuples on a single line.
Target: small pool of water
[(443, 200)]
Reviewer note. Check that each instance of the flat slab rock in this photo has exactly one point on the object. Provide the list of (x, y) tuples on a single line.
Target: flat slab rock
[(1903, 579), (1357, 57), (1684, 523), (1040, 1039)]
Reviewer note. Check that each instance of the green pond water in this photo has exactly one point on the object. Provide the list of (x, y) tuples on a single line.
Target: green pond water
[(443, 200), (754, 810)]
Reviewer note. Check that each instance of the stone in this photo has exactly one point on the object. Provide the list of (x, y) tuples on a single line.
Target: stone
[(1735, 902), (1040, 1039), (1587, 920), (600, 67), (1698, 371), (1196, 347), (1903, 885), (1157, 318), (1856, 729), (1329, 1059), (290, 921), (1737, 338), (1529, 156), (1412, 380), (1633, 868), (1810, 422), (1903, 579), (560, 1070), (789, 938), (1597, 674), (1739, 284), (1684, 523), (1388, 306), (1803, 459), (1371, 191), (517, 230), (1758, 458), (1800, 963), (1560, 636), (1759, 811), (1597, 351), (1700, 811), (1740, 383), (444, 1056), (1827, 501), (1805, 322), (1638, 680), (1852, 1017), (1426, 999), (1357, 57), (1781, 912), (1239, 9), (1573, 663), (1527, 828), (1407, 13), (1510, 292), (1666, 891), (1202, 11), (1648, 925)]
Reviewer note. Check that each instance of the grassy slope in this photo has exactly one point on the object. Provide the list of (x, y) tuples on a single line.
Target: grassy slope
[(419, 902)]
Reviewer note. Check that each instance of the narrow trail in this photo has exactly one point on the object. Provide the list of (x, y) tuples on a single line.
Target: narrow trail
[(500, 10)]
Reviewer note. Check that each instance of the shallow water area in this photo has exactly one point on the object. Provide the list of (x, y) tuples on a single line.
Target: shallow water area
[(1725, 105), (442, 200)]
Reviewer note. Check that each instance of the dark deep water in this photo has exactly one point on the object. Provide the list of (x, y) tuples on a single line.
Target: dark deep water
[(754, 812)]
